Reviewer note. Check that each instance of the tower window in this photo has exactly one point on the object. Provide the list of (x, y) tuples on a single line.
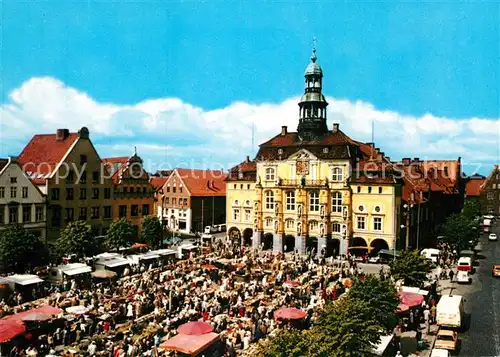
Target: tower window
[(314, 201), (269, 200)]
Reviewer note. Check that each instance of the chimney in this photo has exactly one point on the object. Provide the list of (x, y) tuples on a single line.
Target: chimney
[(388, 158), (62, 134), (248, 157), (284, 130), (335, 127), (416, 159), (406, 161)]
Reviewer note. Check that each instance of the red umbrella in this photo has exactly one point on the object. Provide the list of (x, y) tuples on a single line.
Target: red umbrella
[(10, 329), (411, 299), (208, 267), (289, 313), (291, 283), (402, 308), (195, 328), (139, 245)]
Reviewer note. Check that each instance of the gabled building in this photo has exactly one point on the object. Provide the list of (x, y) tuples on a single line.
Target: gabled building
[(21, 201), (489, 197), (132, 191), (157, 182), (315, 188), (192, 199), (473, 189), (67, 168)]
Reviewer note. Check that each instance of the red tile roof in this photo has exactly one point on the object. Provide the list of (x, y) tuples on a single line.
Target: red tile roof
[(43, 153), (157, 182), (115, 165), (473, 187), (203, 183)]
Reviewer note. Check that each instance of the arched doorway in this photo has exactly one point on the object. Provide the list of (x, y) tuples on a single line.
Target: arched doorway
[(247, 237), (234, 235), (289, 243), (268, 241), (358, 246), (378, 244), (172, 222), (312, 244), (332, 247)]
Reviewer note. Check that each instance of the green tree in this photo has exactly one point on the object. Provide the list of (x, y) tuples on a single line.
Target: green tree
[(21, 250), (459, 230), (471, 210), (381, 296), (151, 231), (288, 343), (346, 328), (120, 234), (76, 239), (411, 267)]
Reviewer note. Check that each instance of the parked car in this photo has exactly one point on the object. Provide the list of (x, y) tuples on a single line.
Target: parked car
[(492, 237), (464, 264), (439, 352), (495, 271), (463, 277), (446, 339)]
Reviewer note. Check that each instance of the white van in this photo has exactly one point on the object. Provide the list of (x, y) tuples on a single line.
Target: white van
[(431, 254), (449, 311), (464, 264)]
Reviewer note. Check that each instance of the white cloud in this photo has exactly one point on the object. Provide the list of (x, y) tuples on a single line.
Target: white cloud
[(168, 131)]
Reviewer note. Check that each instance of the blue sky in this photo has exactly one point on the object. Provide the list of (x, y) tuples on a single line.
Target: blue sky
[(409, 58)]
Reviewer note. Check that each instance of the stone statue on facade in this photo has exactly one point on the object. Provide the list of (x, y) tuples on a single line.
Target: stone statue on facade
[(256, 206), (299, 210), (322, 229), (276, 226), (299, 228), (277, 209), (322, 211), (256, 224)]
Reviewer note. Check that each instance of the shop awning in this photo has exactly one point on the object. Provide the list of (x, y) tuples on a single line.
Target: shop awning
[(24, 279), (190, 344), (77, 271)]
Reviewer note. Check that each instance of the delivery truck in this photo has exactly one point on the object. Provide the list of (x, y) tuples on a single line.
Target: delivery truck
[(449, 311)]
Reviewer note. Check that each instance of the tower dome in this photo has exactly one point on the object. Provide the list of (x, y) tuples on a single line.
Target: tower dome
[(313, 68)]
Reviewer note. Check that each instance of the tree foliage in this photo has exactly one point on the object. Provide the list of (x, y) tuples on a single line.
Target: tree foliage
[(21, 250), (288, 343), (471, 209), (410, 267), (381, 296), (151, 231), (76, 239), (120, 234), (459, 230)]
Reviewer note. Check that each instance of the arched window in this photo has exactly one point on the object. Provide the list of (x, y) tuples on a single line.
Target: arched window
[(313, 225), (290, 201), (289, 223), (337, 174), (336, 227), (269, 221), (269, 200), (337, 202), (314, 201)]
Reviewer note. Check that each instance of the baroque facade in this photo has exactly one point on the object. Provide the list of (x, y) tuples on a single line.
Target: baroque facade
[(315, 188)]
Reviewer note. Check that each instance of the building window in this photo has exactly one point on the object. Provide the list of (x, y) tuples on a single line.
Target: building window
[(380, 190), (377, 209), (337, 202), (2, 218), (290, 201), (236, 214), (107, 193), (95, 177), (95, 213), (69, 194), (359, 189), (107, 212), (83, 193), (361, 222), (174, 200), (122, 211), (174, 190), (168, 188), (70, 214), (95, 193), (313, 225), (269, 222), (494, 186), (248, 186), (369, 189), (336, 227), (269, 200), (2, 192), (56, 216), (83, 159), (145, 210), (132, 189), (167, 200), (26, 214), (446, 171), (25, 192), (54, 194), (337, 174), (314, 201), (241, 186), (489, 209), (83, 177), (70, 179), (490, 195), (270, 174), (13, 180), (289, 223), (83, 214), (39, 214), (134, 210), (13, 192), (248, 215), (234, 186), (377, 223)]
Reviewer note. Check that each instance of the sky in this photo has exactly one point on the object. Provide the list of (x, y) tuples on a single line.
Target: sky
[(187, 82)]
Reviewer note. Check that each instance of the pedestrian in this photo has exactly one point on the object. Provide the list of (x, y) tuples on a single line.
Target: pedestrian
[(451, 274)]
